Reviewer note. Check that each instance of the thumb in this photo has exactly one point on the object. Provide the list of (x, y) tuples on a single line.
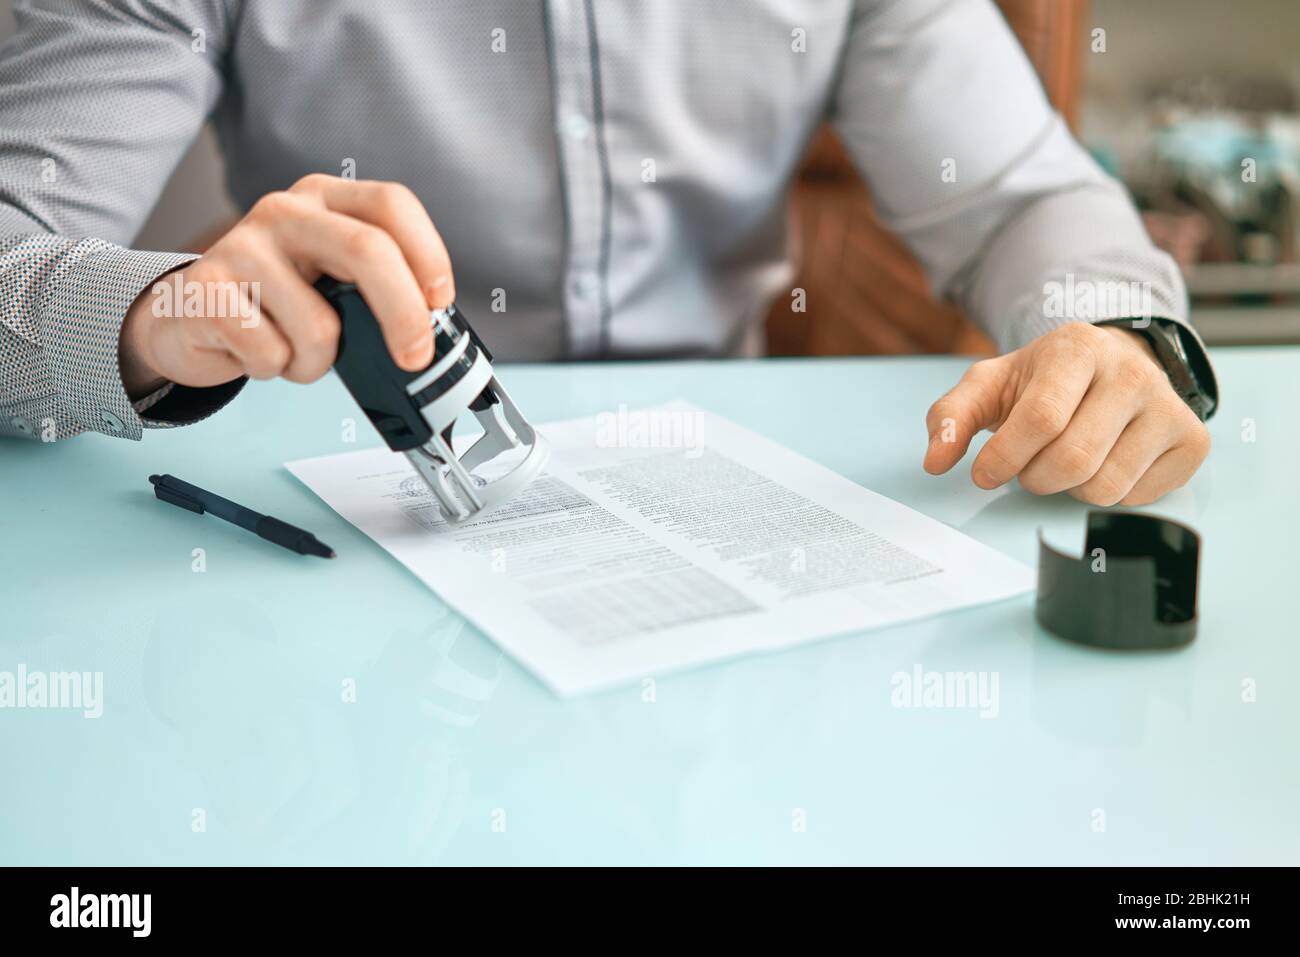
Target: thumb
[(972, 405), (183, 351)]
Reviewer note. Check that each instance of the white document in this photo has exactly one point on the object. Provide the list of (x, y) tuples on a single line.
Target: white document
[(665, 538)]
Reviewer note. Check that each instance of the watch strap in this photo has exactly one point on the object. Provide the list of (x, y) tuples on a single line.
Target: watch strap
[(1182, 356)]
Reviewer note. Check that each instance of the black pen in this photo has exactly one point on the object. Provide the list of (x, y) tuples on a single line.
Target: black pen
[(171, 489)]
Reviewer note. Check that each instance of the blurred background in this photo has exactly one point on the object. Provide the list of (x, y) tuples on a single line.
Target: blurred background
[(1194, 104)]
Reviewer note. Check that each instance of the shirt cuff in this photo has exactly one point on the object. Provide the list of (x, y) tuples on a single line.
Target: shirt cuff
[(81, 316), (152, 399), (175, 405)]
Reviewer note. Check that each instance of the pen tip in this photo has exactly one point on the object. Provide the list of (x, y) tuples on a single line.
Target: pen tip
[(315, 546), (155, 479)]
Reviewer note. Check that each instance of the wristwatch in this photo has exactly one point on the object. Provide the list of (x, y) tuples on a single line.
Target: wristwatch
[(1183, 358)]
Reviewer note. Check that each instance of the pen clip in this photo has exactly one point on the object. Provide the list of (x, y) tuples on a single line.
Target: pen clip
[(177, 498)]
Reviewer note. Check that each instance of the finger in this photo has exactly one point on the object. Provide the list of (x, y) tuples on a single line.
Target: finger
[(355, 251), (1039, 415), (189, 355), (1144, 440), (303, 317), (1170, 471), (219, 367), (970, 406), (1076, 454), (399, 212), (259, 347)]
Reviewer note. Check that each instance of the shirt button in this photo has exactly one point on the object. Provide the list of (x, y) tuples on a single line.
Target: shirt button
[(585, 285), (576, 126), (109, 419), (21, 425)]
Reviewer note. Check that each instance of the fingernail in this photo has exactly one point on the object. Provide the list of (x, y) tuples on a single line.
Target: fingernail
[(418, 357), (431, 290)]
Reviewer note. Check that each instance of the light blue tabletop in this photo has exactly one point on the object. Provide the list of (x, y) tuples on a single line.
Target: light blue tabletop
[(228, 733)]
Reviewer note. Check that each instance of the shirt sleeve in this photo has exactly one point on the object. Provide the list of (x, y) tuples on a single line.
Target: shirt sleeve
[(98, 102), (970, 166)]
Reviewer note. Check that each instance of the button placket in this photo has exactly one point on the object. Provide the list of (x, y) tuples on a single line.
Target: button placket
[(582, 171)]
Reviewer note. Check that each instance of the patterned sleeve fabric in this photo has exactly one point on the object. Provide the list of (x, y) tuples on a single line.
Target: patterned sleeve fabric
[(98, 101), (62, 308)]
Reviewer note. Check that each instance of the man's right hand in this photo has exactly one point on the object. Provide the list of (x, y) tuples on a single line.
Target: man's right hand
[(375, 234)]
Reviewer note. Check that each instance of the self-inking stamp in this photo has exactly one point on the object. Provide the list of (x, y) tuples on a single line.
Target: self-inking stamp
[(416, 412)]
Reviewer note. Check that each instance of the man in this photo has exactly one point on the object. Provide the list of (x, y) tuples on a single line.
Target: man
[(611, 178)]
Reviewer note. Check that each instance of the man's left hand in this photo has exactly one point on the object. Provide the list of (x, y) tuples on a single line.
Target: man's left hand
[(1083, 409)]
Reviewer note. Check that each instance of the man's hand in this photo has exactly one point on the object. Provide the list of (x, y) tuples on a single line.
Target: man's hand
[(1083, 409), (374, 234)]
